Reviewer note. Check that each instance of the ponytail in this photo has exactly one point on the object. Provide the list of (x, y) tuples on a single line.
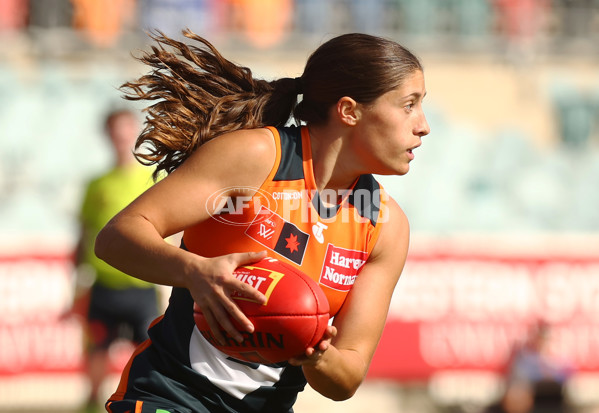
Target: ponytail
[(198, 96)]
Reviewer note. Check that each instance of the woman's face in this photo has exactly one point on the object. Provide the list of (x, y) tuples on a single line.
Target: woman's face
[(392, 127)]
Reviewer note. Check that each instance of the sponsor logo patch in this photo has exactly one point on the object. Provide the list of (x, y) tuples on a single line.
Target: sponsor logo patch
[(279, 235), (341, 267)]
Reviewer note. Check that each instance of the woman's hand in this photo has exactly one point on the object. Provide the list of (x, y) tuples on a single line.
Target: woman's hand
[(212, 286), (314, 354)]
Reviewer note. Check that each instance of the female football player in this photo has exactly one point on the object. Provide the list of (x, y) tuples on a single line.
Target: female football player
[(303, 194)]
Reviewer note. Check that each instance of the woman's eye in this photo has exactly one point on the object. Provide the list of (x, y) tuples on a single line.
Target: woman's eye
[(408, 108)]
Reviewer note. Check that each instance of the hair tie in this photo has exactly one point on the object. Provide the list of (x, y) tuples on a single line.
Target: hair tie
[(299, 85)]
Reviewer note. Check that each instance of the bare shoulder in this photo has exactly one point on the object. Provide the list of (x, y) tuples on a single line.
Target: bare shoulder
[(397, 217), (246, 143), (395, 233), (223, 165), (241, 155)]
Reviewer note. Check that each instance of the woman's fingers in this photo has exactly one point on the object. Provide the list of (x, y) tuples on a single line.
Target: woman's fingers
[(313, 354), (218, 297), (243, 258), (219, 315), (213, 324), (235, 313), (243, 288)]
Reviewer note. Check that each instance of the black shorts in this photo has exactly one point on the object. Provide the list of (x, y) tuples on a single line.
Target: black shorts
[(125, 313)]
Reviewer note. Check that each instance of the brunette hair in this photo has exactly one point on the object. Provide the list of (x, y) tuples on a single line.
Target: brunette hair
[(357, 65), (200, 95)]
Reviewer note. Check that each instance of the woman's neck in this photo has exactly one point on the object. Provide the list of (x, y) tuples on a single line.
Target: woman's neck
[(332, 168)]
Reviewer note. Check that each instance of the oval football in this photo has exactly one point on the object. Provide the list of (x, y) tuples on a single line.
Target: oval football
[(294, 317)]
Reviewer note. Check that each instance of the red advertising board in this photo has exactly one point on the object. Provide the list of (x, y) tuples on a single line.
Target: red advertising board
[(460, 312), (36, 332), (449, 312), (41, 331)]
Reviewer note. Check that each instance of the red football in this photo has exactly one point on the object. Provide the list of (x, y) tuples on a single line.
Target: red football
[(294, 317)]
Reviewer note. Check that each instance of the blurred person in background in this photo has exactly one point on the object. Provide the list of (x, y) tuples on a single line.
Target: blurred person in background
[(535, 379), (518, 397), (119, 306), (533, 361), (215, 129), (533, 365)]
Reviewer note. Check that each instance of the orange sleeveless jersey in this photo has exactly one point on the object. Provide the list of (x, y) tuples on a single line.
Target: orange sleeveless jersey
[(287, 218)]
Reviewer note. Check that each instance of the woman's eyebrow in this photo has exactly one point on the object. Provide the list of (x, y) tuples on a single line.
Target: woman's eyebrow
[(415, 95)]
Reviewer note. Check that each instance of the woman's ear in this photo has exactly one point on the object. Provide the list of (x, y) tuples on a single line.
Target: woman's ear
[(348, 111)]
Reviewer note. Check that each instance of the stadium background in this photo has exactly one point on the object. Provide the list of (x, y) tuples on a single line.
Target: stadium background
[(503, 197)]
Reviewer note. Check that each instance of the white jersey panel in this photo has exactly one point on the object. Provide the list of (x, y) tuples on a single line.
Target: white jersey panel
[(236, 378)]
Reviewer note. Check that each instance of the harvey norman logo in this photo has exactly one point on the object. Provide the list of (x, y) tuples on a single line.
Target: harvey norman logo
[(341, 267)]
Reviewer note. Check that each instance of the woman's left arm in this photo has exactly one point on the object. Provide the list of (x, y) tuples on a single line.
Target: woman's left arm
[(339, 363)]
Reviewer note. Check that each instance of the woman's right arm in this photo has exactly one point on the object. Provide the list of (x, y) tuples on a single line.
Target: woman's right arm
[(133, 241)]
